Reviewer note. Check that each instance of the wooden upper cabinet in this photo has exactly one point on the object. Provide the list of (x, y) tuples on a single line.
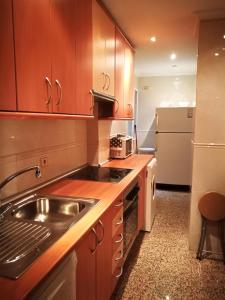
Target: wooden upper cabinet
[(128, 82), (32, 27), (63, 56), (7, 70), (124, 78), (119, 75), (53, 46), (83, 76), (103, 51)]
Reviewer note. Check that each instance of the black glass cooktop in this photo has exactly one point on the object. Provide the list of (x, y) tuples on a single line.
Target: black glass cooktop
[(100, 174)]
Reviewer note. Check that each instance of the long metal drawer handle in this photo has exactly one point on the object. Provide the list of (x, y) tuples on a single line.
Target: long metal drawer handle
[(96, 241), (103, 232), (60, 89), (120, 222), (120, 257), (48, 82), (120, 273), (121, 239), (119, 204)]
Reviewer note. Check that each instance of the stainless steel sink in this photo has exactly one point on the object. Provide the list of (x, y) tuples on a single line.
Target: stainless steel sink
[(52, 210), (33, 224)]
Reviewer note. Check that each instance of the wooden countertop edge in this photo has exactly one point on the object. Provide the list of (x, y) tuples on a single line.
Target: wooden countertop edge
[(106, 192)]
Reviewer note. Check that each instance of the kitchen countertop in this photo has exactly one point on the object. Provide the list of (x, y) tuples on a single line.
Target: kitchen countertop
[(104, 191)]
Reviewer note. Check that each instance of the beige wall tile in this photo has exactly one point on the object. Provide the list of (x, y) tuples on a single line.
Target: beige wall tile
[(209, 169)]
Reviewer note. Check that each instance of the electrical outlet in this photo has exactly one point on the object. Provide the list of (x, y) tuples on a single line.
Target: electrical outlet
[(44, 161)]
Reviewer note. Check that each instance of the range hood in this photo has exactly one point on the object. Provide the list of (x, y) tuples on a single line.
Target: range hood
[(99, 97), (104, 105)]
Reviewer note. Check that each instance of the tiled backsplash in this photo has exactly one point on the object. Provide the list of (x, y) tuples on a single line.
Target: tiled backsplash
[(99, 133), (24, 142)]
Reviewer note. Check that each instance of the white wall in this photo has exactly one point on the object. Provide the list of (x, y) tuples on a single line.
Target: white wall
[(209, 147), (169, 91), (24, 142)]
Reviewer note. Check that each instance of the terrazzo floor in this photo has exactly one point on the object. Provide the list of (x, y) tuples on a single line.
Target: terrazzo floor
[(160, 265)]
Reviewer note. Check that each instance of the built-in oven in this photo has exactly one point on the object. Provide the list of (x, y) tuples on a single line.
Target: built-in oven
[(130, 216)]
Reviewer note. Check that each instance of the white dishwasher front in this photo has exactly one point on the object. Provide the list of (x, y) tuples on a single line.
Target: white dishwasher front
[(60, 283)]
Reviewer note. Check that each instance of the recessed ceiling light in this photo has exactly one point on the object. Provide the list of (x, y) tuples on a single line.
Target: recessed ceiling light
[(216, 54), (153, 39), (173, 56), (224, 36)]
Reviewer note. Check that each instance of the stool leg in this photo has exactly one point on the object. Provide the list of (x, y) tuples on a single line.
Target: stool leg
[(202, 239), (222, 239)]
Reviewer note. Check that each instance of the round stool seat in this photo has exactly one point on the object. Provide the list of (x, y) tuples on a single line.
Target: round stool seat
[(212, 206)]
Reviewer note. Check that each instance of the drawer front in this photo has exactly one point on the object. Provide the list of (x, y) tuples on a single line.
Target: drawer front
[(117, 240), (116, 275), (117, 258), (118, 203), (117, 221)]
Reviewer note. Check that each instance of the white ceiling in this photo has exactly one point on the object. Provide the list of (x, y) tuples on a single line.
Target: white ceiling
[(175, 25)]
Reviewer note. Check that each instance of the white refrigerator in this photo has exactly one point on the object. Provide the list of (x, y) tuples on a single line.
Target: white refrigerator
[(174, 133)]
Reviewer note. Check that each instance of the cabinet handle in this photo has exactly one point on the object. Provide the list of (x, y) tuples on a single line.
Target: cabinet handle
[(120, 239), (60, 91), (120, 221), (118, 105), (120, 273), (48, 82), (107, 76), (119, 204), (103, 232), (96, 241), (105, 81), (119, 257)]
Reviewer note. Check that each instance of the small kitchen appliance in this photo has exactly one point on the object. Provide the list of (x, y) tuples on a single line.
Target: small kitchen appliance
[(121, 146)]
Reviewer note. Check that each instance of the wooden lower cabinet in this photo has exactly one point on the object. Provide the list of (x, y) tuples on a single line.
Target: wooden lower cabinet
[(100, 253), (94, 254)]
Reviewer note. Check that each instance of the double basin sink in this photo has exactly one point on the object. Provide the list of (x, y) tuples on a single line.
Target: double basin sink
[(33, 224)]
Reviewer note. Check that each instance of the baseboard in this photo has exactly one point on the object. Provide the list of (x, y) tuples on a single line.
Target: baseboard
[(173, 187)]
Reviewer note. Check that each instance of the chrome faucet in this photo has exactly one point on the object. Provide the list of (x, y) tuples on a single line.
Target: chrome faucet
[(11, 177)]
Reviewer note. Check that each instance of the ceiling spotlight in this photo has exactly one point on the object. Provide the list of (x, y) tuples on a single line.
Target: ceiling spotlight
[(173, 56), (224, 36), (216, 54), (153, 39)]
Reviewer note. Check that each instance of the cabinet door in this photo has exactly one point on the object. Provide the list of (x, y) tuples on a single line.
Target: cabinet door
[(104, 256), (33, 54), (119, 74), (63, 56), (83, 76), (86, 267), (7, 65), (109, 28), (99, 76), (141, 198), (129, 82)]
